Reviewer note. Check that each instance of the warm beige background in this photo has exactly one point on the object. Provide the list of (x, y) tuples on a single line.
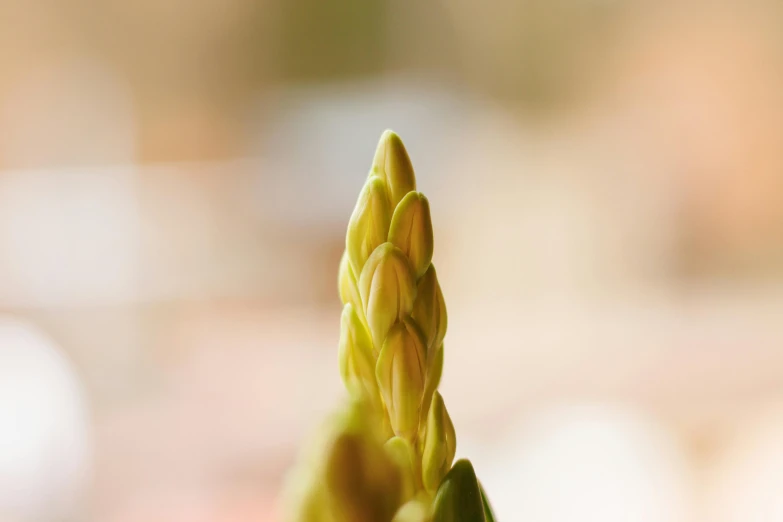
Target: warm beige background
[(605, 179)]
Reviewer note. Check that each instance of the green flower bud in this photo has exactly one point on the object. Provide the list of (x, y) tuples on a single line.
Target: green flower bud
[(489, 514), (355, 353), (440, 445), (400, 374), (392, 164), (430, 309), (413, 511), (401, 452), (411, 231), (369, 224), (434, 373), (348, 285), (458, 499), (388, 290)]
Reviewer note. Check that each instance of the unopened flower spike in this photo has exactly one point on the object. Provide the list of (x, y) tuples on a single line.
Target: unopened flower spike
[(388, 456)]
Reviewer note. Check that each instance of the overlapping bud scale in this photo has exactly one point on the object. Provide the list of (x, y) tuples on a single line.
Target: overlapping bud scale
[(440, 445), (387, 288), (411, 231), (357, 363), (369, 224), (401, 376)]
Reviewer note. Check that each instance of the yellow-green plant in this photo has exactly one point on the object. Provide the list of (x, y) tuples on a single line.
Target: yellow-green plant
[(387, 455)]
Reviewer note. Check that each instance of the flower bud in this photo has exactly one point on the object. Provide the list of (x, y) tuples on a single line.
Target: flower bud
[(392, 164), (388, 289), (348, 285), (411, 231), (434, 373), (400, 374), (489, 514), (369, 224), (429, 310), (355, 353), (440, 445), (458, 498), (401, 453)]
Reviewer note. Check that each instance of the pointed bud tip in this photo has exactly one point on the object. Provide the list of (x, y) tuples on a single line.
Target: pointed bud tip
[(389, 134), (394, 147), (458, 498), (390, 143), (393, 165), (464, 467)]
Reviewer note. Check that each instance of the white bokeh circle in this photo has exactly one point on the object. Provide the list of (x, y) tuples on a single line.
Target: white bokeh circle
[(44, 446)]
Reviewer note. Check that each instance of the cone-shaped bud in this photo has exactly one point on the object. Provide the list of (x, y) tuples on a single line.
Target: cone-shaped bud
[(400, 373), (489, 514), (430, 309), (413, 511), (434, 373), (349, 285), (440, 445), (458, 498), (388, 290), (369, 224), (401, 452), (392, 164), (411, 231), (355, 353)]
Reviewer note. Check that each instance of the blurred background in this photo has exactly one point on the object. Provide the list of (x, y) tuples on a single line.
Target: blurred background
[(605, 177)]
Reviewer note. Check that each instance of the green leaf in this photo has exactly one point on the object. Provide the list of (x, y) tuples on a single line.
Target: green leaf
[(488, 513), (459, 497)]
